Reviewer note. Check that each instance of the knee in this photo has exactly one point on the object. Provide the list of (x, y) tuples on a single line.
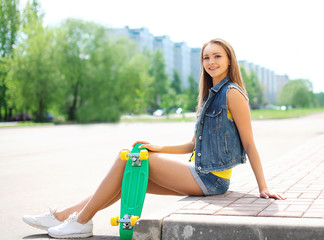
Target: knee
[(119, 158)]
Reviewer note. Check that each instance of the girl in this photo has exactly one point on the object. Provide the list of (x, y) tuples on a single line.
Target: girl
[(223, 136)]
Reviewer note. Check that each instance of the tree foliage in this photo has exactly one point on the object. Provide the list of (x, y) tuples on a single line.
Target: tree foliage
[(160, 84), (253, 88), (176, 83), (9, 25), (191, 94), (297, 93), (32, 73)]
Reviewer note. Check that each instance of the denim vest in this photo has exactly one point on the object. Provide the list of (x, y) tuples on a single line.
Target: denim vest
[(218, 144)]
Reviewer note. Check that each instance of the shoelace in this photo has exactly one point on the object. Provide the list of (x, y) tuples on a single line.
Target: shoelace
[(71, 218), (48, 214)]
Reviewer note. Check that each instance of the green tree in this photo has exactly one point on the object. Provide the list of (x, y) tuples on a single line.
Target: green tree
[(169, 100), (296, 93), (9, 25), (73, 48), (176, 83), (258, 93), (160, 84), (253, 87), (319, 99), (115, 81), (107, 77), (192, 94), (32, 74)]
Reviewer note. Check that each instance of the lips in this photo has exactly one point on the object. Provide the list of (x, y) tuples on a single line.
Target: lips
[(212, 68)]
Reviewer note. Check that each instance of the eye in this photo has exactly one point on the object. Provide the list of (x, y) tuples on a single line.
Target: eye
[(205, 58), (218, 56)]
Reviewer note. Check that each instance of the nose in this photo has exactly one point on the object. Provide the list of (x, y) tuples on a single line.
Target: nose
[(211, 61)]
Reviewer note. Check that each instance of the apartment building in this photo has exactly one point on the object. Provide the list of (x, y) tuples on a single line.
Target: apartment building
[(271, 83), (177, 55)]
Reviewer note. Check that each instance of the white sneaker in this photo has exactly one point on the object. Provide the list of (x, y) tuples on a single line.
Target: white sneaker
[(43, 221), (71, 228)]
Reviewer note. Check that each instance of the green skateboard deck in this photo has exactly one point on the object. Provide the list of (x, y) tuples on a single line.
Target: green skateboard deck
[(133, 190)]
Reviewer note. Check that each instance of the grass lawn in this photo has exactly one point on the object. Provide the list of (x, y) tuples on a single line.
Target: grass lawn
[(279, 114), (255, 114)]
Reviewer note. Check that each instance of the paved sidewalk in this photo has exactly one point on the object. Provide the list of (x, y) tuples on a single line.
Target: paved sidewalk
[(241, 214)]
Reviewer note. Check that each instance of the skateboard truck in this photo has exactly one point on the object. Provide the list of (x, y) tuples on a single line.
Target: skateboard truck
[(128, 221), (136, 157), (136, 161)]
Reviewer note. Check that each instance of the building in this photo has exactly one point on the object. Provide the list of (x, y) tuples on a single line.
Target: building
[(270, 82), (165, 44), (182, 62), (195, 63), (177, 56)]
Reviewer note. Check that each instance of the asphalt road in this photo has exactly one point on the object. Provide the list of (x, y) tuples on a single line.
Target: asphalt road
[(54, 166)]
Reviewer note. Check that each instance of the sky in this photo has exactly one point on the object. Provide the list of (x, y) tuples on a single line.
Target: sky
[(285, 36)]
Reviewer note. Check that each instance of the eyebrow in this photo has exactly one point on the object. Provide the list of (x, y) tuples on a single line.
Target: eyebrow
[(215, 53)]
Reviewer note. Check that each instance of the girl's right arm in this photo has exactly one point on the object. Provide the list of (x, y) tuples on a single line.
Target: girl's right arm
[(172, 149)]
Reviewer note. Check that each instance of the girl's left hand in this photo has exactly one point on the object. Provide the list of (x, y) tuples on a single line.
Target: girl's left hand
[(266, 194), (150, 147)]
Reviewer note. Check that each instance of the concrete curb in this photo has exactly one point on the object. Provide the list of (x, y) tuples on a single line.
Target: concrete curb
[(187, 227), (150, 227)]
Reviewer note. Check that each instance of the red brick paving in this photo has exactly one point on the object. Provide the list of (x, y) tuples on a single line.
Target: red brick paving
[(299, 175)]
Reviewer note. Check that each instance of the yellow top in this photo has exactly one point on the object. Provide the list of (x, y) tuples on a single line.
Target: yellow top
[(223, 174)]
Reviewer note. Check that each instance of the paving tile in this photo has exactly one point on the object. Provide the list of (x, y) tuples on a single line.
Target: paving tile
[(314, 214), (319, 201), (243, 207), (235, 195), (213, 207), (232, 212), (222, 202), (298, 201), (280, 214), (309, 195), (196, 211), (263, 200), (246, 200), (292, 194), (297, 208), (196, 205), (276, 208)]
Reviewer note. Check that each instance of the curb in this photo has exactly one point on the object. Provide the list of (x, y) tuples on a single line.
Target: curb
[(150, 227), (187, 227)]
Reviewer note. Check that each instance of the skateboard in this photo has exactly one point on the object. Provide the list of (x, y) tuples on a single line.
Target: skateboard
[(133, 190)]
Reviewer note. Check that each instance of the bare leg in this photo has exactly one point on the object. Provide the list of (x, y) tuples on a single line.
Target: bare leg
[(172, 175), (107, 193), (167, 177), (65, 213)]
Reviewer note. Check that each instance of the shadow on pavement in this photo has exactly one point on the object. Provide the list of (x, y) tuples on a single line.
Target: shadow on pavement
[(95, 237), (36, 236)]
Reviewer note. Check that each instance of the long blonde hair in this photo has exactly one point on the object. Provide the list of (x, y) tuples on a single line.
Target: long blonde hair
[(234, 73)]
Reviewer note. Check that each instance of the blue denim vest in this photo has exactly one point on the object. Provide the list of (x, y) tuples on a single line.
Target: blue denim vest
[(218, 144)]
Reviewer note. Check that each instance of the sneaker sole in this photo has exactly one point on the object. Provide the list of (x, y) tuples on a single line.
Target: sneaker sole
[(36, 226), (78, 235)]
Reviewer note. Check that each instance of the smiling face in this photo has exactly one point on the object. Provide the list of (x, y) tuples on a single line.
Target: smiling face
[(215, 62)]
